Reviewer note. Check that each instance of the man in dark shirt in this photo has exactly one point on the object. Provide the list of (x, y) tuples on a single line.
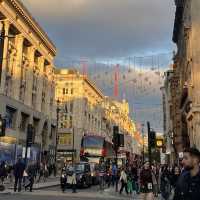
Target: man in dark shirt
[(188, 185)]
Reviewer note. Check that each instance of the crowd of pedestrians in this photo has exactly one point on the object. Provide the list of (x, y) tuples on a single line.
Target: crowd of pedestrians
[(180, 182), (24, 176)]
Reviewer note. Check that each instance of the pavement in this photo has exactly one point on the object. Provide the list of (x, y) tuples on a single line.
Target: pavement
[(54, 192), (50, 182)]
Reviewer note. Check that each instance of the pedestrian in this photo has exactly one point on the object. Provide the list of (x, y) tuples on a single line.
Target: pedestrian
[(188, 184), (155, 181), (174, 176), (129, 184), (165, 186), (123, 179), (31, 171), (41, 171), (71, 179), (146, 182), (102, 174), (135, 177), (3, 172), (18, 174), (114, 174)]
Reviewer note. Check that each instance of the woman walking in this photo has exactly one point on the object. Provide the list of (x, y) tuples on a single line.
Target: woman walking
[(123, 179)]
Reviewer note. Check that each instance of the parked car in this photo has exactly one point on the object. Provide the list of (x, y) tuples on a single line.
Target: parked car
[(83, 174)]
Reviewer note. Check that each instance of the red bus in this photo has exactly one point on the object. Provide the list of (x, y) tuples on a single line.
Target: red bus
[(94, 148)]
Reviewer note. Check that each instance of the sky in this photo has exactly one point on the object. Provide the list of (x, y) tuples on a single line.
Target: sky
[(109, 31)]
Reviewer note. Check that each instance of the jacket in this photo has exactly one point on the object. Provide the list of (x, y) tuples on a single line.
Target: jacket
[(123, 176), (71, 179), (19, 169), (187, 187)]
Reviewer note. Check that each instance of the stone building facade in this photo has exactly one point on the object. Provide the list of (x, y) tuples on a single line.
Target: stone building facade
[(83, 109), (186, 73), (27, 85)]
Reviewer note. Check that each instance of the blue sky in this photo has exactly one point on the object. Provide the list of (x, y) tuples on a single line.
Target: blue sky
[(112, 31)]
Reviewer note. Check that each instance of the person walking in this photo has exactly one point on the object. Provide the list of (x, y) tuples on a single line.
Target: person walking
[(123, 179), (146, 182), (3, 172), (188, 184), (114, 174), (155, 181), (31, 171), (165, 186), (18, 174), (71, 179)]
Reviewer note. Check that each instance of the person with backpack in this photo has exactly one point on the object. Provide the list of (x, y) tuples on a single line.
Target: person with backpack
[(188, 184)]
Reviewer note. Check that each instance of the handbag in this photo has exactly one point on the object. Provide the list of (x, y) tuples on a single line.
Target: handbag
[(25, 173)]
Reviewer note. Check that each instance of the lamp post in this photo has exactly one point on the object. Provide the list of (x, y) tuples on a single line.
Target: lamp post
[(57, 136), (143, 157)]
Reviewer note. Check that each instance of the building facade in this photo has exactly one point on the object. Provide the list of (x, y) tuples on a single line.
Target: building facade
[(80, 112), (168, 117), (27, 85), (186, 73), (83, 109)]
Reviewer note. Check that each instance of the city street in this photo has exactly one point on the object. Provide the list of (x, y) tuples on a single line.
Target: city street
[(55, 193)]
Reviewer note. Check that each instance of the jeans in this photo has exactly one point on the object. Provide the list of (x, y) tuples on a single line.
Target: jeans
[(124, 185), (18, 182)]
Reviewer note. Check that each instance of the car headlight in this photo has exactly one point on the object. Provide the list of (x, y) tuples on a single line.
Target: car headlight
[(63, 176)]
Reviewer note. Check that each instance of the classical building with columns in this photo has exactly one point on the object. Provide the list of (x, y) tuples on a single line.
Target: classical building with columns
[(84, 110), (185, 79), (27, 87)]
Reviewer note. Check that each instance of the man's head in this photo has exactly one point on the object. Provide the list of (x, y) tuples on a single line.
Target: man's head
[(146, 165), (191, 158)]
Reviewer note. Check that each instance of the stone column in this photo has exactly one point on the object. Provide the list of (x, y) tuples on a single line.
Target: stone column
[(18, 65), (29, 77), (5, 56), (40, 84), (48, 91)]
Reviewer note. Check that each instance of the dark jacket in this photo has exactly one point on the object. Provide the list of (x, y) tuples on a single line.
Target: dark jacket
[(19, 169), (145, 180), (31, 171), (187, 187)]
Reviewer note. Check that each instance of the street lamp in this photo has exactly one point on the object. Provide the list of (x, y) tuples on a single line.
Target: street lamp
[(57, 137)]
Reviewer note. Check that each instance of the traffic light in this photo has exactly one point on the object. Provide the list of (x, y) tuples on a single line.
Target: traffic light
[(30, 134), (121, 140), (115, 137), (159, 143), (152, 139), (2, 127)]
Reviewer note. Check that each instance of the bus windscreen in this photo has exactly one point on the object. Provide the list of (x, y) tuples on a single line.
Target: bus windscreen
[(93, 142)]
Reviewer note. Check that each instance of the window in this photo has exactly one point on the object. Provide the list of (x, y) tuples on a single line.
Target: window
[(65, 139), (70, 121), (10, 117), (24, 121), (72, 91), (71, 107), (63, 90)]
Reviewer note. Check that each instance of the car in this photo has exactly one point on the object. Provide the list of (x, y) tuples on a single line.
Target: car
[(83, 174)]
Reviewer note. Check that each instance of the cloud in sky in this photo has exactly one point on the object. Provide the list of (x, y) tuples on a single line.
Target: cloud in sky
[(106, 28)]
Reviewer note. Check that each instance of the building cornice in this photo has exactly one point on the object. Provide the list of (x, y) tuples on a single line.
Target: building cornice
[(33, 25)]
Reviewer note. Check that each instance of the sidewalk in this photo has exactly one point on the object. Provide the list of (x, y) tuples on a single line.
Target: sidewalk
[(50, 182)]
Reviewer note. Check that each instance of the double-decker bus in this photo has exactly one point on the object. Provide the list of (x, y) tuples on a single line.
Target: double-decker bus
[(94, 148)]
